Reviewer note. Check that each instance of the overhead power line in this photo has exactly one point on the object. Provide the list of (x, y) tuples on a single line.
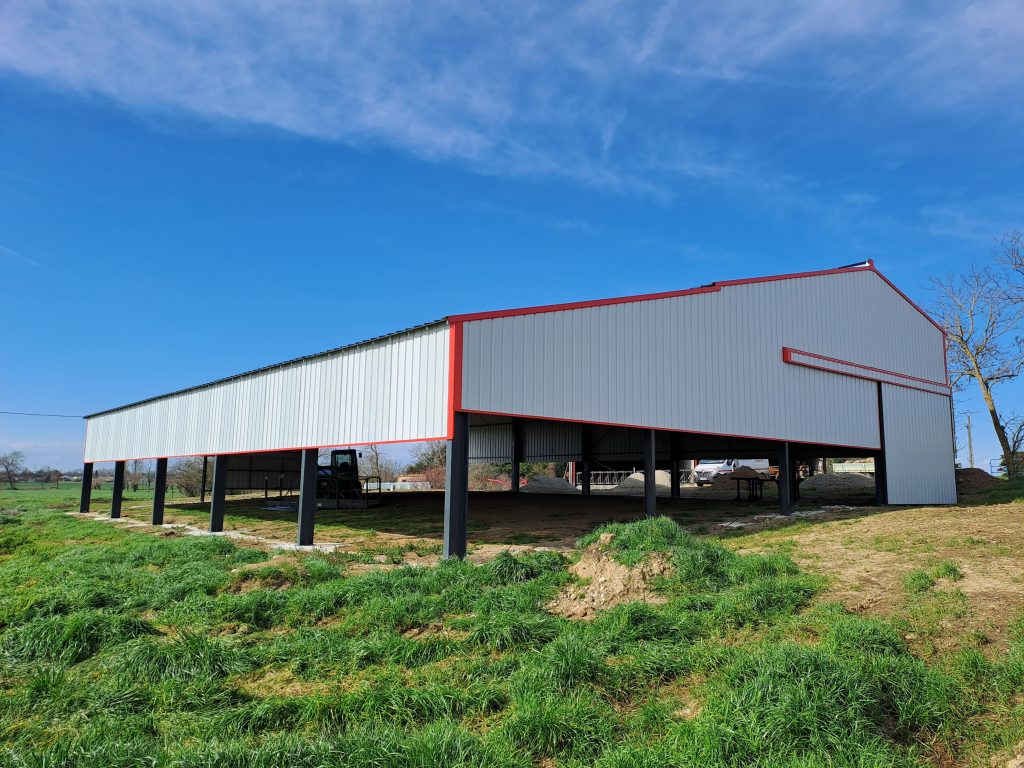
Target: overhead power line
[(48, 415)]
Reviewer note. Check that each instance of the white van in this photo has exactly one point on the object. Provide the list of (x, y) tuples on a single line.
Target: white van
[(707, 470)]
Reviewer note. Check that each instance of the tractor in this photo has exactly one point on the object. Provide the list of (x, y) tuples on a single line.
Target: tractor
[(339, 486)]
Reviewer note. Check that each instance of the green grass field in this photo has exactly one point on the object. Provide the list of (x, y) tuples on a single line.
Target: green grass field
[(120, 648)]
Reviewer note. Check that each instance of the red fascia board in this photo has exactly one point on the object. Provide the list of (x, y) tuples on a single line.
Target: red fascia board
[(272, 450), (667, 429), (580, 304), (925, 315), (788, 352), (454, 373), (715, 287)]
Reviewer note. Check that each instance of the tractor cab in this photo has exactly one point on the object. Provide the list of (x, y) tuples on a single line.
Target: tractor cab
[(338, 485)]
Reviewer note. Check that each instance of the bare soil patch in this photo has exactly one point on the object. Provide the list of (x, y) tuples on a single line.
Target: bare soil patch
[(604, 583), (867, 559)]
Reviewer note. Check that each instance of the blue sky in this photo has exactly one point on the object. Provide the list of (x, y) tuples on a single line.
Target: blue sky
[(191, 189)]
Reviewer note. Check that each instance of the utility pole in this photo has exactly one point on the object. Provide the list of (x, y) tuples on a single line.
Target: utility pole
[(970, 443)]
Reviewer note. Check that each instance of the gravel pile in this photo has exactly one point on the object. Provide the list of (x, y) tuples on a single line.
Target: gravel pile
[(549, 485)]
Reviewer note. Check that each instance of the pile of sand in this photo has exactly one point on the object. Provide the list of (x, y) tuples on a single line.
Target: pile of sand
[(846, 482), (725, 482), (634, 484), (607, 583), (746, 473), (542, 484), (974, 479)]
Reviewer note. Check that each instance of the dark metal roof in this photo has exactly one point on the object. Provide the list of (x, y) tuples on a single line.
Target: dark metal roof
[(285, 364)]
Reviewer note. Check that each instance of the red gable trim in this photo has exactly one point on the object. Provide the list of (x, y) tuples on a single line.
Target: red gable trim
[(712, 288)]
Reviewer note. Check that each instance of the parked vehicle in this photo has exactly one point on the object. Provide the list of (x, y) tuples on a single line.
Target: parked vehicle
[(707, 470)]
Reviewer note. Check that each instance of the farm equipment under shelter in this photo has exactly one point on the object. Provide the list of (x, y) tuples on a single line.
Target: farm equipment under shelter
[(339, 486)]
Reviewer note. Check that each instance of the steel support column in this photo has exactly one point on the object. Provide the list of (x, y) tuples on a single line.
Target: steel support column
[(650, 486), (456, 489), (159, 491), (674, 467), (220, 479), (115, 502), (517, 454), (785, 480), (202, 485), (83, 506), (881, 475), (307, 497)]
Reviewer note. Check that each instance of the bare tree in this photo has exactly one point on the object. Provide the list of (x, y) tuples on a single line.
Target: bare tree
[(187, 474), (430, 459), (427, 455), (376, 463), (982, 320), (12, 464), (137, 472), (1009, 252), (1014, 461)]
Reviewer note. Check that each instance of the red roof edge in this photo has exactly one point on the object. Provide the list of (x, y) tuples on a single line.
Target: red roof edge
[(868, 266)]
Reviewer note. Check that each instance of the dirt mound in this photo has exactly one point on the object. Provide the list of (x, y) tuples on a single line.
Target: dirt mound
[(746, 473), (607, 583), (847, 482), (634, 484), (974, 479), (549, 485), (725, 482)]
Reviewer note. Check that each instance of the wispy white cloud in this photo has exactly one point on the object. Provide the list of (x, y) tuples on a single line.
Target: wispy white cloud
[(4, 251), (604, 92), (976, 221)]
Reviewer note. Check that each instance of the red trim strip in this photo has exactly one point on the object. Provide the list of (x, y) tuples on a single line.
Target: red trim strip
[(581, 304), (712, 288), (788, 354), (664, 429), (272, 450), (454, 374), (873, 268)]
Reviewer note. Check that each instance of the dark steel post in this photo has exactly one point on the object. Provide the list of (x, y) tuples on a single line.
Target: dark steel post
[(586, 449), (456, 489), (517, 454), (650, 487), (115, 502), (220, 479), (202, 485), (159, 491), (674, 468), (785, 480), (307, 497), (83, 506), (881, 474)]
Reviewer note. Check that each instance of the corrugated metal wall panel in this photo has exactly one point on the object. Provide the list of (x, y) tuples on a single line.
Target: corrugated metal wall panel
[(709, 362), (275, 471), (556, 441), (491, 444), (919, 457), (389, 390), (542, 441)]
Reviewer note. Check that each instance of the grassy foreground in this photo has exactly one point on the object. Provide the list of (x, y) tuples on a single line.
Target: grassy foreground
[(129, 649)]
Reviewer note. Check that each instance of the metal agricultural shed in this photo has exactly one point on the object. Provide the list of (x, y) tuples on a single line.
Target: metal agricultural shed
[(831, 363)]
